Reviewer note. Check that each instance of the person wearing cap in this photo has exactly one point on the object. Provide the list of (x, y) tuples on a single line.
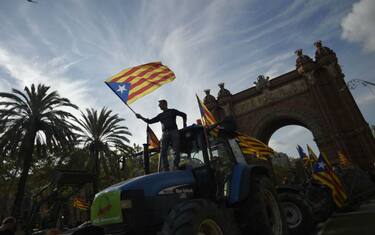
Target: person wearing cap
[(8, 226), (170, 136)]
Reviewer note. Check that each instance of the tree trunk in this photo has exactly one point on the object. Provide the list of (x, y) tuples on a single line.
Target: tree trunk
[(106, 169), (96, 171), (26, 154)]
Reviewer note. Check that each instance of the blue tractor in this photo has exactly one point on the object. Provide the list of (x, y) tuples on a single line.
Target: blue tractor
[(218, 190)]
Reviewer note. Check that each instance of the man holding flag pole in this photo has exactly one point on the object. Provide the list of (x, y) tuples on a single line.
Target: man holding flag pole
[(133, 83), (170, 132)]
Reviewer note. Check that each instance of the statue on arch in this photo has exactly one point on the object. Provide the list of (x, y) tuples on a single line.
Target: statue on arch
[(322, 51), (301, 58), (223, 92), (262, 82), (208, 99)]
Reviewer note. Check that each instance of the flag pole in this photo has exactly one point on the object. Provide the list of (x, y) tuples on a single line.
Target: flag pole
[(121, 98), (130, 108)]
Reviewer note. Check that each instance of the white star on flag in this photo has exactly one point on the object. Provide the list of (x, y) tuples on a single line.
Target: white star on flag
[(121, 88), (321, 165)]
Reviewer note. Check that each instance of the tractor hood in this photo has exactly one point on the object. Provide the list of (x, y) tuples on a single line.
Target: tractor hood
[(106, 207), (152, 184)]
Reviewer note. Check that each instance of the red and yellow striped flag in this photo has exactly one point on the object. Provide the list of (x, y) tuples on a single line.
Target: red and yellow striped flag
[(80, 203), (152, 140), (324, 174), (136, 82), (343, 160), (253, 147), (208, 118), (312, 156)]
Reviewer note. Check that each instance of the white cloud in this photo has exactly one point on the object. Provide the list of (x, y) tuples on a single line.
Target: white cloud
[(365, 97), (75, 45), (287, 138), (25, 71), (358, 25)]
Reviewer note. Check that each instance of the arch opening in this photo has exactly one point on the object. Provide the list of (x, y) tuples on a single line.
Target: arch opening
[(286, 138)]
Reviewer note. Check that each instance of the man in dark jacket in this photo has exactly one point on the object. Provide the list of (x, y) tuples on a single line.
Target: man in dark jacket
[(170, 132)]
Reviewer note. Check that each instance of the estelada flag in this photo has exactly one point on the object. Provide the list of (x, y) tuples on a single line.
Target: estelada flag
[(324, 174), (152, 140), (303, 156), (312, 156), (208, 119), (133, 83)]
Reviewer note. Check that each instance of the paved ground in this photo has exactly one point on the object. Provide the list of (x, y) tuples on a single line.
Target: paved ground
[(359, 222)]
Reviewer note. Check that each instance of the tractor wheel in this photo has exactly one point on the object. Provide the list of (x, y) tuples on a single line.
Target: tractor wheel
[(298, 213), (262, 213), (198, 217)]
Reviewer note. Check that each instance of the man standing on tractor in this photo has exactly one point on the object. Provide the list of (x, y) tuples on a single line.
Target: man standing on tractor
[(170, 132)]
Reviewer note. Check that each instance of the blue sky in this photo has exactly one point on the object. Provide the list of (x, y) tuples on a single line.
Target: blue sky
[(74, 46)]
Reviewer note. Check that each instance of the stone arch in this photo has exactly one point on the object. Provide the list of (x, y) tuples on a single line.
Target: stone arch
[(314, 96), (269, 124)]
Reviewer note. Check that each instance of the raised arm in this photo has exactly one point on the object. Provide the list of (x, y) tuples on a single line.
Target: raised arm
[(146, 120), (183, 115)]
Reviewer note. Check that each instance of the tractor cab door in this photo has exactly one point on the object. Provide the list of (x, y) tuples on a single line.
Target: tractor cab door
[(195, 157), (222, 162)]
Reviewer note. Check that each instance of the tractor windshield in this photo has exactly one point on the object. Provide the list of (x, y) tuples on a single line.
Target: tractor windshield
[(221, 155), (193, 148)]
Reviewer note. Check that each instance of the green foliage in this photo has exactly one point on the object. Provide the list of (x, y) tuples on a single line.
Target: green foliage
[(38, 134), (103, 136), (31, 118)]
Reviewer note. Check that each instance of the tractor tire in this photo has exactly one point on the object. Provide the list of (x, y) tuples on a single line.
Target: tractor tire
[(298, 213), (262, 213), (199, 216)]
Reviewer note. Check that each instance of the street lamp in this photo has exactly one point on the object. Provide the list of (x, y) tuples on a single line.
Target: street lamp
[(352, 84)]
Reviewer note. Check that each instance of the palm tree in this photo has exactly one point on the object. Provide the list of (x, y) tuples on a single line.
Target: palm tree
[(29, 117), (102, 134)]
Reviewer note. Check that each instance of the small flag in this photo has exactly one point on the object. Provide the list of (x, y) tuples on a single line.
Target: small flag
[(253, 147), (80, 203), (152, 140), (208, 118), (303, 156), (312, 156), (343, 160), (323, 173), (133, 83)]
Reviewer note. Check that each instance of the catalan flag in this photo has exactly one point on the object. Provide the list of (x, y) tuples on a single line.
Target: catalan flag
[(323, 173), (312, 156), (208, 118), (343, 160), (134, 83), (303, 156), (80, 203), (253, 147), (152, 140)]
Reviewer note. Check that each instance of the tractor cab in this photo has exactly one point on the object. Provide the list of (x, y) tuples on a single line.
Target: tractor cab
[(212, 174)]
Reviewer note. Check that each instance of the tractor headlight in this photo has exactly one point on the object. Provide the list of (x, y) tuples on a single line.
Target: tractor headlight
[(126, 204)]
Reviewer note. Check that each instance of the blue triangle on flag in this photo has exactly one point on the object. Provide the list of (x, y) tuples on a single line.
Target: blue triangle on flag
[(121, 89)]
